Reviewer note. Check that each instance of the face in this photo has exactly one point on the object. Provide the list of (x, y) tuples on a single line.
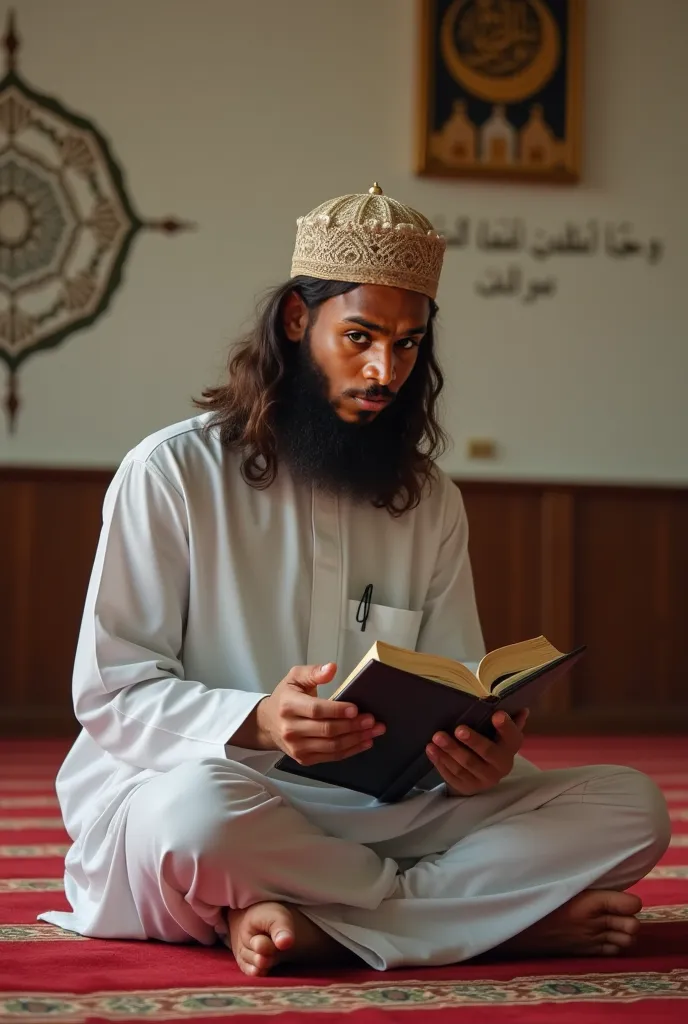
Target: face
[(365, 344)]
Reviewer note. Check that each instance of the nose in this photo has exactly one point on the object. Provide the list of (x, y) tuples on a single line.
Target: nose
[(380, 364)]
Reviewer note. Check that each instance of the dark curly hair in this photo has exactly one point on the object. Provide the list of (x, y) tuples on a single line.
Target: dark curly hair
[(243, 409)]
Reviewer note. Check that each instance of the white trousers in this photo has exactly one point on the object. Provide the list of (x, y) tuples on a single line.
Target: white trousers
[(432, 880)]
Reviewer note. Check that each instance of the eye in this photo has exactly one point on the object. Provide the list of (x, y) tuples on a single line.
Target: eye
[(407, 344), (358, 337)]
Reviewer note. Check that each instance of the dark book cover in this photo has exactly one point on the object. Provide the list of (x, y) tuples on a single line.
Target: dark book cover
[(414, 708)]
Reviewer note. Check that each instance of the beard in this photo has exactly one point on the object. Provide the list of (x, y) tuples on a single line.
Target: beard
[(363, 460)]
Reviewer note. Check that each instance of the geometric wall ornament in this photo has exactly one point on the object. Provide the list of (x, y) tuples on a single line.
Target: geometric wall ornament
[(67, 223)]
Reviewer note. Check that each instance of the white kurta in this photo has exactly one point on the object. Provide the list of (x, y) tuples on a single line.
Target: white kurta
[(204, 593)]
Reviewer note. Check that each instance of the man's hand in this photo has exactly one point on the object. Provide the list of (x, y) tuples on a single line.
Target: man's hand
[(308, 728), (475, 763)]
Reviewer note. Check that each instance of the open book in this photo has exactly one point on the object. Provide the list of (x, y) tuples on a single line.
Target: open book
[(417, 694), (498, 671)]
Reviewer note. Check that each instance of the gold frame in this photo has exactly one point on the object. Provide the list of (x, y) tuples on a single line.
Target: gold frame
[(427, 166)]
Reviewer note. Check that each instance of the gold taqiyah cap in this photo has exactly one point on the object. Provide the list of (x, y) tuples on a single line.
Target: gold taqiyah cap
[(369, 238)]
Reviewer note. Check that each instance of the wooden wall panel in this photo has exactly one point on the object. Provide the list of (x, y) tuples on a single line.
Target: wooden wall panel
[(631, 602), (671, 588), (49, 525), (504, 532), (605, 566), (557, 618), (610, 570)]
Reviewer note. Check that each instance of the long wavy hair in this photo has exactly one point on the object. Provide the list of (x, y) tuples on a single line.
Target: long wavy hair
[(243, 409)]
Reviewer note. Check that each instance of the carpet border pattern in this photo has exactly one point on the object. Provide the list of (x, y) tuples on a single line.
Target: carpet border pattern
[(183, 1003)]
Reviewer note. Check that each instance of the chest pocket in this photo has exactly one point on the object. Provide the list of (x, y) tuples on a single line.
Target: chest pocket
[(397, 626)]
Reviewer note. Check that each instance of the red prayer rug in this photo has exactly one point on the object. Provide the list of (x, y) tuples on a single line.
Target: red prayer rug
[(49, 975)]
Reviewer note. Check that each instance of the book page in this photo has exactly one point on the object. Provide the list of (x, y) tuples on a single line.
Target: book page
[(430, 666), (515, 658)]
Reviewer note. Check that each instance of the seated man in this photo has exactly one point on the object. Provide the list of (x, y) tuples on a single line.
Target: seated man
[(222, 611)]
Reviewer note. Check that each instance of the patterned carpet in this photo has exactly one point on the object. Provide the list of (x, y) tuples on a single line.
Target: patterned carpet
[(48, 975)]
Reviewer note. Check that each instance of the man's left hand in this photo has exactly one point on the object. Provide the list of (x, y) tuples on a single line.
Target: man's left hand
[(475, 763)]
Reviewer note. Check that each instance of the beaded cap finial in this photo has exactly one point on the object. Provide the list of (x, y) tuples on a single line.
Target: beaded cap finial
[(369, 238)]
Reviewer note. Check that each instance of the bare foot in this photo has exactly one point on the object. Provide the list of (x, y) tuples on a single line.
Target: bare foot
[(598, 922), (268, 934)]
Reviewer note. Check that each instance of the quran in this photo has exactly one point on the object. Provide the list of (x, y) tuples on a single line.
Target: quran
[(416, 695)]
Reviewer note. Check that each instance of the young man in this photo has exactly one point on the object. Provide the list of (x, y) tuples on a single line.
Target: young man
[(223, 609)]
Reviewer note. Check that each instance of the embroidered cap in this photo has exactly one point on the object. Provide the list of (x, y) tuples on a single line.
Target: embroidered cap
[(369, 238)]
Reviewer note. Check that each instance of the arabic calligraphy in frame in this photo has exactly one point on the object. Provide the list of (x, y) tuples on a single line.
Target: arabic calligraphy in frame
[(500, 89), (67, 223)]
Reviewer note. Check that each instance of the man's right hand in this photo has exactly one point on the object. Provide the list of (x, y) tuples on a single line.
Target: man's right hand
[(307, 728)]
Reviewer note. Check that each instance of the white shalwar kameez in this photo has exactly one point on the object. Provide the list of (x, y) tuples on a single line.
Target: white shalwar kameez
[(204, 593)]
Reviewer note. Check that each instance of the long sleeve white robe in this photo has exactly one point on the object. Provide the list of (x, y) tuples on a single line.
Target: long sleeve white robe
[(204, 593)]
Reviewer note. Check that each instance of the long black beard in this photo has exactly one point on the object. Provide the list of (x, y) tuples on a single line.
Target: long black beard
[(361, 460)]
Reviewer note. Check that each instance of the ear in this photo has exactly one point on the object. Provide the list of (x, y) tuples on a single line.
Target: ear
[(294, 317)]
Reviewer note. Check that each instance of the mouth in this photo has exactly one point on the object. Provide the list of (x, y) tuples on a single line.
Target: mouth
[(372, 404)]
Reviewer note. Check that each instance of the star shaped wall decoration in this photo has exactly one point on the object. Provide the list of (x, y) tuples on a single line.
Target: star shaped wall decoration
[(67, 222)]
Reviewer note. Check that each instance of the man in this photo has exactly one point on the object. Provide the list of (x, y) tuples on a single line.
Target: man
[(235, 550)]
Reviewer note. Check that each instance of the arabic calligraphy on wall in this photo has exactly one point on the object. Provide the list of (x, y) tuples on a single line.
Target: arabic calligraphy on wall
[(511, 236), (500, 89)]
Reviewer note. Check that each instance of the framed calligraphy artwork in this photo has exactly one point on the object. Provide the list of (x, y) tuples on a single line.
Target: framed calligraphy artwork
[(500, 89)]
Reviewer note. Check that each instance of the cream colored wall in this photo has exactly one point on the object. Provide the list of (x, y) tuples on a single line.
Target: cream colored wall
[(243, 114)]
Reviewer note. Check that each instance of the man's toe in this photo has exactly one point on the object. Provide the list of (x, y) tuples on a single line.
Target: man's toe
[(262, 944)]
